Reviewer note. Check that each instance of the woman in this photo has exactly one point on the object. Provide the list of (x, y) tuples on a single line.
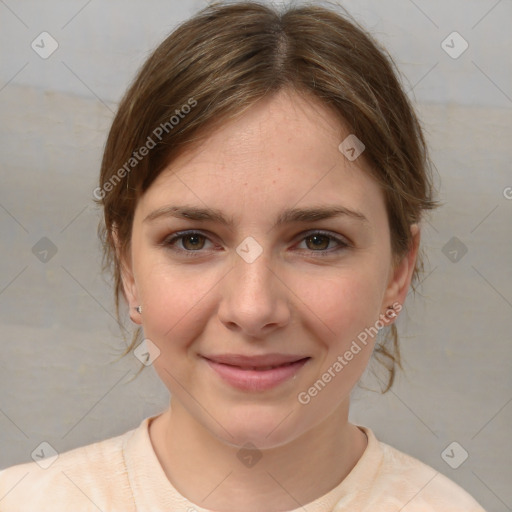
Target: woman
[(263, 185)]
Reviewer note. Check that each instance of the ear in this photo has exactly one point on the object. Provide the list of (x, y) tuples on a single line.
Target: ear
[(401, 275), (127, 278)]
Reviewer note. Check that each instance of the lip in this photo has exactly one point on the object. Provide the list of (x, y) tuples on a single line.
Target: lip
[(256, 373)]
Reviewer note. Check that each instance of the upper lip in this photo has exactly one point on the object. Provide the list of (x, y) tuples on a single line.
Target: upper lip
[(256, 361)]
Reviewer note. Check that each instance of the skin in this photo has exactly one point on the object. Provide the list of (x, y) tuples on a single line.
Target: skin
[(281, 153)]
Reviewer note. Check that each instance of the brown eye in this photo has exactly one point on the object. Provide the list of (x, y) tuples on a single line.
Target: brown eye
[(317, 242), (193, 242), (323, 243)]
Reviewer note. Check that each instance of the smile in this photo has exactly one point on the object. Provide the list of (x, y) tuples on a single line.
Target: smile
[(257, 373)]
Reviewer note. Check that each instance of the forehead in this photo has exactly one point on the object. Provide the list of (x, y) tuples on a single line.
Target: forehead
[(283, 129), (282, 152)]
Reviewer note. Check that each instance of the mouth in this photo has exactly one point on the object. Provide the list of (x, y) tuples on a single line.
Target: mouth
[(256, 373), (263, 368)]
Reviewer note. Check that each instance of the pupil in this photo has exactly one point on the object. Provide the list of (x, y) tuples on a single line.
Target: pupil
[(193, 241), (319, 241)]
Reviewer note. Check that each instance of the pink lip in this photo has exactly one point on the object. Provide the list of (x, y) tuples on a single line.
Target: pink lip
[(251, 373)]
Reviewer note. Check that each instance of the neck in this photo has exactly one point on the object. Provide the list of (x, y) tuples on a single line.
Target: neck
[(211, 474)]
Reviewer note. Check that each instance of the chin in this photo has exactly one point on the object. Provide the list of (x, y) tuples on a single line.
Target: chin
[(258, 425)]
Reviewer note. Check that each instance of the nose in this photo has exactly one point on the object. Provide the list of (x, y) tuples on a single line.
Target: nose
[(255, 301)]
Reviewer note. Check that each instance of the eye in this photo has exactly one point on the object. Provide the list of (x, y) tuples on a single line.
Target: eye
[(322, 242), (191, 241)]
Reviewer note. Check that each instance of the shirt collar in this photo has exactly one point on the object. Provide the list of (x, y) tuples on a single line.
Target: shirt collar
[(153, 491)]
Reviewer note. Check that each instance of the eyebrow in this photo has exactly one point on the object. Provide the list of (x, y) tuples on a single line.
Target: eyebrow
[(292, 215)]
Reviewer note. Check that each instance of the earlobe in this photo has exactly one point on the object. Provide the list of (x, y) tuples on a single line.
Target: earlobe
[(401, 277), (130, 293), (127, 279)]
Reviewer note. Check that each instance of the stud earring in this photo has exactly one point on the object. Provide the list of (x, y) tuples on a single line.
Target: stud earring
[(139, 309), (390, 312)]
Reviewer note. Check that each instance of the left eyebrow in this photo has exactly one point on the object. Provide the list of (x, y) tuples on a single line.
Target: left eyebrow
[(317, 214), (292, 215)]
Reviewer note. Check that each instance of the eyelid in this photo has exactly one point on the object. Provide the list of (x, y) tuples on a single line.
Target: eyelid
[(169, 241), (330, 234), (343, 242)]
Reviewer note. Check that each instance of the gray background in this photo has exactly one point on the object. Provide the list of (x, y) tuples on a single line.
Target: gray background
[(61, 378)]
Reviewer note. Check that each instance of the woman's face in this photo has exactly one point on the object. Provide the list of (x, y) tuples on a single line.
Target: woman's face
[(284, 260)]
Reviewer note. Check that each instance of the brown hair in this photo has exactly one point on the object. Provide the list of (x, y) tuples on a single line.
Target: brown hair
[(223, 60)]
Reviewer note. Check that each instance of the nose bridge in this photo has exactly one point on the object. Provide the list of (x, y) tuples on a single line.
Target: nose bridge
[(253, 276), (252, 297)]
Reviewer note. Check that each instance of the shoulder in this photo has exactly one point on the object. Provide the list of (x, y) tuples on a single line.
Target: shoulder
[(418, 487), (91, 477)]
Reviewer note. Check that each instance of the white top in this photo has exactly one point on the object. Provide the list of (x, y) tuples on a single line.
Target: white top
[(123, 474)]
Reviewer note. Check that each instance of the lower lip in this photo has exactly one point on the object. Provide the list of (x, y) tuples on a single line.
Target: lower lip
[(256, 380)]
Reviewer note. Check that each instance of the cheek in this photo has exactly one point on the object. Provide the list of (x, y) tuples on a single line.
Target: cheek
[(343, 312), (343, 305), (177, 304)]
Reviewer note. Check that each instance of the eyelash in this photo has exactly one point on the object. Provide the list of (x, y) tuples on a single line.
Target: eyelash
[(169, 243)]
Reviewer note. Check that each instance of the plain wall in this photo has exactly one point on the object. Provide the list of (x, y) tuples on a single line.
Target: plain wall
[(61, 379)]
